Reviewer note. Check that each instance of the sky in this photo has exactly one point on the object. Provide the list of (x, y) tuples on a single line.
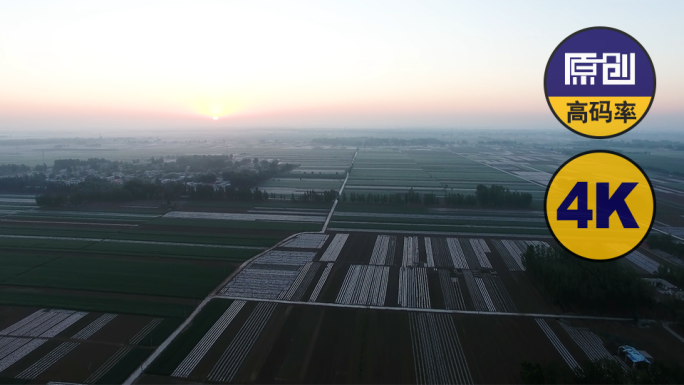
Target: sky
[(90, 66)]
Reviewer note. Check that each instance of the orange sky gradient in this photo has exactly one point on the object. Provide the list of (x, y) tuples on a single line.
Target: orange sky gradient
[(380, 64)]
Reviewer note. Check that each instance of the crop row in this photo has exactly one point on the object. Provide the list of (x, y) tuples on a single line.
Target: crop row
[(589, 342), (437, 353), (94, 327), (333, 250), (321, 282), (383, 251), (480, 248), (451, 291), (279, 257), (502, 301), (410, 252), (14, 349), (413, 288), (307, 241), (43, 323), (259, 283), (302, 282), (48, 360), (553, 338), (477, 294), (457, 255), (200, 350), (229, 363), (510, 254), (145, 331), (364, 285)]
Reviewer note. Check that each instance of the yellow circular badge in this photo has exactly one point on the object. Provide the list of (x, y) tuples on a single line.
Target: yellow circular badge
[(599, 205)]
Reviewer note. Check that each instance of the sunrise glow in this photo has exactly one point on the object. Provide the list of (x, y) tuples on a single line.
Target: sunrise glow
[(299, 63)]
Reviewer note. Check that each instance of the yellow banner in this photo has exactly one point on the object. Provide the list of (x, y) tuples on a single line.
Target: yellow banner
[(600, 116)]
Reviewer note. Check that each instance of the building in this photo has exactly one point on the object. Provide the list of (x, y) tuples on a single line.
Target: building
[(636, 359)]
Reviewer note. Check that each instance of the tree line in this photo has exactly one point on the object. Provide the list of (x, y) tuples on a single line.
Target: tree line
[(490, 197), (94, 189), (603, 371), (571, 282), (665, 242), (327, 196)]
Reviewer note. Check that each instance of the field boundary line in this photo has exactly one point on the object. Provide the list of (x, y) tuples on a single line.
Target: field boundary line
[(428, 310), (666, 326), (160, 349), (496, 235), (109, 240), (497, 169)]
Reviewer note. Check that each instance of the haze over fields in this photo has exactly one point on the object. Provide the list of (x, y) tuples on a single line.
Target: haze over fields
[(325, 192)]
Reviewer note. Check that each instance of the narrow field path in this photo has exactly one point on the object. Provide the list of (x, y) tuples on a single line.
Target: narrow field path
[(95, 240), (428, 310), (666, 325), (139, 371), (332, 210)]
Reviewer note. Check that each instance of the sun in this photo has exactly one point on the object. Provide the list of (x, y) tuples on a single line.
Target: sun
[(215, 117)]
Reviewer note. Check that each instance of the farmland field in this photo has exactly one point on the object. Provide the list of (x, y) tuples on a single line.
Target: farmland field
[(354, 307), (403, 293)]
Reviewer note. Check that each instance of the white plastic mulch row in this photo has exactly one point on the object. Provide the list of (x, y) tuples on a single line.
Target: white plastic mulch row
[(514, 251), (307, 241), (321, 281), (562, 350), (280, 257), (485, 294), (505, 254), (145, 331), (438, 357), (302, 282), (643, 262), (383, 251), (589, 342), (231, 360), (457, 255), (364, 285), (43, 323), (334, 248), (108, 365), (410, 256), (413, 288), (246, 217), (200, 350), (441, 253), (451, 291), (93, 327), (497, 291), (268, 283), (16, 350), (48, 360), (428, 252), (480, 253), (484, 246), (259, 283), (475, 291)]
